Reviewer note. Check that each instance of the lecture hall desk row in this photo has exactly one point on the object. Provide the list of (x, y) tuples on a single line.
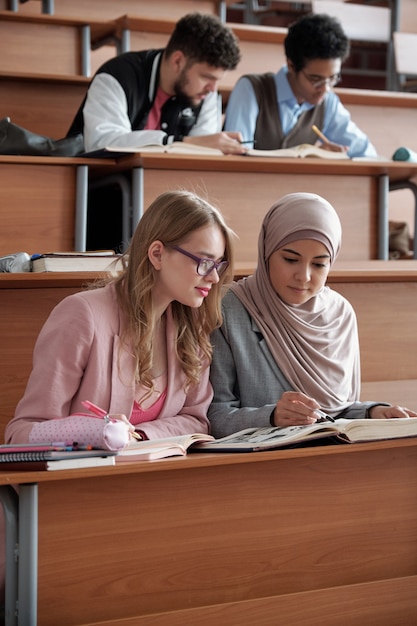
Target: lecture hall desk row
[(244, 188), (55, 87), (318, 536), (383, 293), (43, 200)]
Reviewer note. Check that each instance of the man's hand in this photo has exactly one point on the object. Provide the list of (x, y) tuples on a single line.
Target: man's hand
[(227, 142)]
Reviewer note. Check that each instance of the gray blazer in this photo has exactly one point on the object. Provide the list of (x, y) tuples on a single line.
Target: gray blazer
[(247, 381)]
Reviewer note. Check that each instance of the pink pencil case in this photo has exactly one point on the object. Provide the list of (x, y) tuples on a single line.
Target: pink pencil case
[(85, 429)]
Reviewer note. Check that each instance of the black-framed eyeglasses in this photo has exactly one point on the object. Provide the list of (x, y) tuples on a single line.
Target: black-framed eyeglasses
[(319, 81), (204, 266)]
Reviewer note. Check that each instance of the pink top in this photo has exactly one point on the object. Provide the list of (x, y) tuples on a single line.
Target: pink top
[(140, 415), (154, 117)]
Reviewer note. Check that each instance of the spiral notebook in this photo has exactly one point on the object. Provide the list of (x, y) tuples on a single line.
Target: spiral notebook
[(17, 457)]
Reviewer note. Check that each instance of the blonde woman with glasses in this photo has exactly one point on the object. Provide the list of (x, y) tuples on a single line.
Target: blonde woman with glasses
[(138, 346)]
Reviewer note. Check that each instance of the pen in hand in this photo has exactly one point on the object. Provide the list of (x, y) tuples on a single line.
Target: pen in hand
[(248, 141), (94, 408), (319, 134), (104, 414), (323, 416)]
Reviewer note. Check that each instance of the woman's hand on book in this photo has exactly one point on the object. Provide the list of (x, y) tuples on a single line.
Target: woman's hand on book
[(385, 412)]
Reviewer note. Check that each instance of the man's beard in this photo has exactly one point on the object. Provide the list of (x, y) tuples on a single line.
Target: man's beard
[(179, 87)]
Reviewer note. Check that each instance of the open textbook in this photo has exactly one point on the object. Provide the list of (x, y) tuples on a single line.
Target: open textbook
[(342, 431), (303, 150), (160, 448)]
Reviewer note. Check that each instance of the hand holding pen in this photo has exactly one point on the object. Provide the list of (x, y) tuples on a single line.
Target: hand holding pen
[(326, 143), (295, 408), (99, 412)]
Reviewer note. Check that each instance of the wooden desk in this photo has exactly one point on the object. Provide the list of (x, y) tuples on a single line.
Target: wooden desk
[(292, 537), (41, 199), (244, 188)]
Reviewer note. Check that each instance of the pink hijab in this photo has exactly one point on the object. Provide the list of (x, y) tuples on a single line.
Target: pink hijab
[(314, 344)]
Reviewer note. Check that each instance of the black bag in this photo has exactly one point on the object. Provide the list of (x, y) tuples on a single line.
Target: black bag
[(17, 140)]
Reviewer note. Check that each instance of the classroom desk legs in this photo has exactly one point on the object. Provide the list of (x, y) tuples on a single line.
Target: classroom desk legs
[(21, 523), (81, 200), (137, 196), (383, 218), (10, 503), (28, 555)]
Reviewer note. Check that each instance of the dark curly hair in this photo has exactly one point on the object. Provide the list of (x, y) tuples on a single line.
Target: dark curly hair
[(315, 36), (205, 39)]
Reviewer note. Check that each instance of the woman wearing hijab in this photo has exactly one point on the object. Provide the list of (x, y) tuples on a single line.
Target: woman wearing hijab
[(288, 343)]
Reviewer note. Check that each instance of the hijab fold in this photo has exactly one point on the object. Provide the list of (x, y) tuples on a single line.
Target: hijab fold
[(315, 344)]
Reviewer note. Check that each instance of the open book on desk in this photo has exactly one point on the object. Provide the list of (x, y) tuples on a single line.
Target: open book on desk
[(160, 448), (300, 151), (342, 431), (176, 147)]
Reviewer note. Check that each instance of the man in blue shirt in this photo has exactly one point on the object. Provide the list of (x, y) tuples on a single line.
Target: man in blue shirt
[(279, 110)]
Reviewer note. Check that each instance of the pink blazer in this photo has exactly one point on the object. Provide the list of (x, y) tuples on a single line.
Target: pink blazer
[(77, 358)]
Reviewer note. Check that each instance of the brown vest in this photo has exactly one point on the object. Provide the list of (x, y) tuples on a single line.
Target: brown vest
[(268, 131)]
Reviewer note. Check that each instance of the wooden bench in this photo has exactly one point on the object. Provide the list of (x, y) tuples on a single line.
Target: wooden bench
[(383, 294)]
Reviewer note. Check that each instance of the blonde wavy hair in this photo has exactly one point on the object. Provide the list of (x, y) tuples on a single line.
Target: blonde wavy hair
[(170, 218)]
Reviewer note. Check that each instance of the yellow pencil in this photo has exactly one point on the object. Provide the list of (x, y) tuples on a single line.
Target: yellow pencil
[(320, 134)]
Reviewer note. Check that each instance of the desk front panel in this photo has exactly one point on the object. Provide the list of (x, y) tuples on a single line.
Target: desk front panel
[(52, 106), (245, 197), (37, 207), (40, 48), (319, 537), (387, 322), (23, 312)]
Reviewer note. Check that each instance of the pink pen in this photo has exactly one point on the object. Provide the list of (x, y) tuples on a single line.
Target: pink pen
[(94, 408)]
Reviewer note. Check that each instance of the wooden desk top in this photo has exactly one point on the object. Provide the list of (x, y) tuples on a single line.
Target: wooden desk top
[(55, 160), (343, 271), (396, 170), (194, 461), (357, 271), (42, 280), (99, 28)]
